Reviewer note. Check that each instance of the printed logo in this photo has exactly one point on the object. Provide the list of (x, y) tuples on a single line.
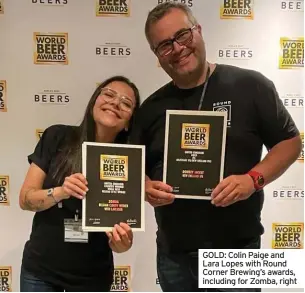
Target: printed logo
[(288, 235), (3, 98), (1, 7), (51, 2), (51, 48), (234, 9), (131, 222), (288, 192), (235, 52), (224, 107), (117, 50), (292, 5), (293, 101), (114, 168), (53, 97), (4, 191), (113, 7), (39, 133), (6, 279), (195, 136), (291, 53), (189, 3), (121, 279), (301, 156)]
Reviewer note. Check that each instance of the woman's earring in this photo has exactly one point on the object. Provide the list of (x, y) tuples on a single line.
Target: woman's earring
[(126, 128)]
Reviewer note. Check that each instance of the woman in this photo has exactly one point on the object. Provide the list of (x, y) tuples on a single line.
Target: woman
[(52, 261)]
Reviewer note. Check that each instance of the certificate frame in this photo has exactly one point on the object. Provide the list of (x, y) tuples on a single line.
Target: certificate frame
[(190, 113), (141, 148)]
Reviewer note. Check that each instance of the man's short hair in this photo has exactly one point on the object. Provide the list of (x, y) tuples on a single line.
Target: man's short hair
[(161, 10)]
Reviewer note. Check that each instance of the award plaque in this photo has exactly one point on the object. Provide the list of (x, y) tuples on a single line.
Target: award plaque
[(194, 152), (116, 183)]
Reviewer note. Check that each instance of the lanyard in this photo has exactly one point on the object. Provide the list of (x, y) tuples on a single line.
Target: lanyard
[(204, 88)]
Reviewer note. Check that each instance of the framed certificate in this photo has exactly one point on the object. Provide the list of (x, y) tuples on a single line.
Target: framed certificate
[(194, 152), (116, 183)]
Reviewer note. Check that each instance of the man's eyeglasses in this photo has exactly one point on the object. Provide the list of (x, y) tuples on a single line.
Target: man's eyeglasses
[(125, 103), (182, 38)]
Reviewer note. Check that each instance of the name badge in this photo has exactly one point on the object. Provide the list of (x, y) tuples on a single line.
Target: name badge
[(74, 232)]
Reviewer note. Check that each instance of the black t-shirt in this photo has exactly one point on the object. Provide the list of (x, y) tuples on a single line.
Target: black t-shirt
[(256, 117), (46, 254)]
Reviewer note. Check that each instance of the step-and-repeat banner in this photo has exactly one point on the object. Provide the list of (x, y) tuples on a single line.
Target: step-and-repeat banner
[(53, 53)]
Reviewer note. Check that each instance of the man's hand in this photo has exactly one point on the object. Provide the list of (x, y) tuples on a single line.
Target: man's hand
[(158, 193), (232, 189)]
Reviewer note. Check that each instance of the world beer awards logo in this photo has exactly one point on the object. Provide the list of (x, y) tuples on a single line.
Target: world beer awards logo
[(51, 48), (236, 9), (113, 7), (301, 156), (1, 7), (235, 52), (3, 102), (188, 3), (53, 97), (4, 191), (290, 235), (114, 168), (293, 101), (112, 49), (291, 53), (195, 136), (5, 279), (292, 5), (121, 279), (39, 133)]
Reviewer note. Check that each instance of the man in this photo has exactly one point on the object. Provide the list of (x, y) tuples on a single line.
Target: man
[(232, 219)]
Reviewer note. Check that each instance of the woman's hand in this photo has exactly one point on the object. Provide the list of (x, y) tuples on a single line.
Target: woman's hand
[(120, 239), (74, 185)]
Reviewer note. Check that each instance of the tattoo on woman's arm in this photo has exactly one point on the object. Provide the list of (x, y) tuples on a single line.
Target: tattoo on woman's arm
[(30, 205)]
